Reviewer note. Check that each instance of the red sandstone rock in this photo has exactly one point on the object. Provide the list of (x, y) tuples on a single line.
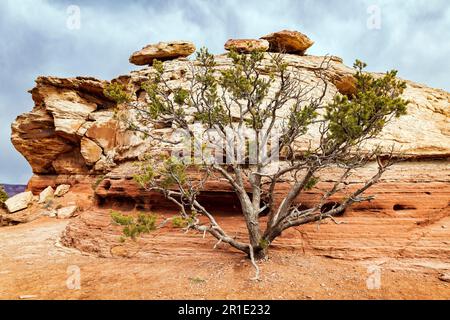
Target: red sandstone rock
[(162, 51), (346, 85), (103, 132), (288, 42)]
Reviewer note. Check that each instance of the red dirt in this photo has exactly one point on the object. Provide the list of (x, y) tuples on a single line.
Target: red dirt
[(33, 263)]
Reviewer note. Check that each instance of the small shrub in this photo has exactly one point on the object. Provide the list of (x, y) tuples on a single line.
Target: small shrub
[(133, 227), (117, 92), (97, 182), (179, 222), (121, 219), (146, 222), (264, 243)]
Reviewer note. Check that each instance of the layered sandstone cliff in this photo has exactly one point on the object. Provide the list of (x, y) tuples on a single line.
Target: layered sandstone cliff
[(72, 136)]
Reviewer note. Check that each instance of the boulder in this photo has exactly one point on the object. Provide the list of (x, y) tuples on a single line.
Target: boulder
[(19, 202), (62, 190), (23, 216), (287, 41), (162, 51), (67, 212), (346, 85), (247, 45), (46, 195), (90, 151)]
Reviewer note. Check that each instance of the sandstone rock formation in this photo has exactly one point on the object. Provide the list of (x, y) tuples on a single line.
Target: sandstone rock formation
[(66, 213), (44, 138), (72, 137), (102, 143), (90, 151), (62, 190), (162, 51), (19, 202), (22, 216), (288, 42), (46, 195), (247, 45), (346, 85)]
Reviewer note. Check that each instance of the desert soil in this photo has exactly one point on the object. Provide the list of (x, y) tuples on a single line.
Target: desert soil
[(34, 265)]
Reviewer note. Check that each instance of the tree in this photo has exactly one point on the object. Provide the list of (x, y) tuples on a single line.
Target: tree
[(248, 96), (3, 196)]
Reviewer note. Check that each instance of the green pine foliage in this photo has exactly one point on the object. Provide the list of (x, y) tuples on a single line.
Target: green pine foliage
[(3, 196), (116, 91), (134, 227), (180, 222), (168, 172), (366, 113), (311, 183)]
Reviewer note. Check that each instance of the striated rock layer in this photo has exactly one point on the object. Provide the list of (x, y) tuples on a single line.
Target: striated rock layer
[(73, 137)]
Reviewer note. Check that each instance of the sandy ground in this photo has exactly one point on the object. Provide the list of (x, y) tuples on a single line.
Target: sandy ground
[(33, 265)]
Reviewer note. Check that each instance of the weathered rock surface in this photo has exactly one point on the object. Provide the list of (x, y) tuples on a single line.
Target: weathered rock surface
[(162, 51), (90, 151), (62, 189), (22, 216), (66, 213), (19, 202), (44, 137), (346, 85), (404, 221), (247, 45), (287, 41), (46, 195), (102, 139)]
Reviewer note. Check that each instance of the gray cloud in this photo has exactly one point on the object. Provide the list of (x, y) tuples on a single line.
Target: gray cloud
[(413, 39)]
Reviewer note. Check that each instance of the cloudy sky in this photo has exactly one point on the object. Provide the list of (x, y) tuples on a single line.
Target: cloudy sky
[(40, 38)]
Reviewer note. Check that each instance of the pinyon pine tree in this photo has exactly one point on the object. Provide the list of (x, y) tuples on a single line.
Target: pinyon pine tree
[(249, 95)]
